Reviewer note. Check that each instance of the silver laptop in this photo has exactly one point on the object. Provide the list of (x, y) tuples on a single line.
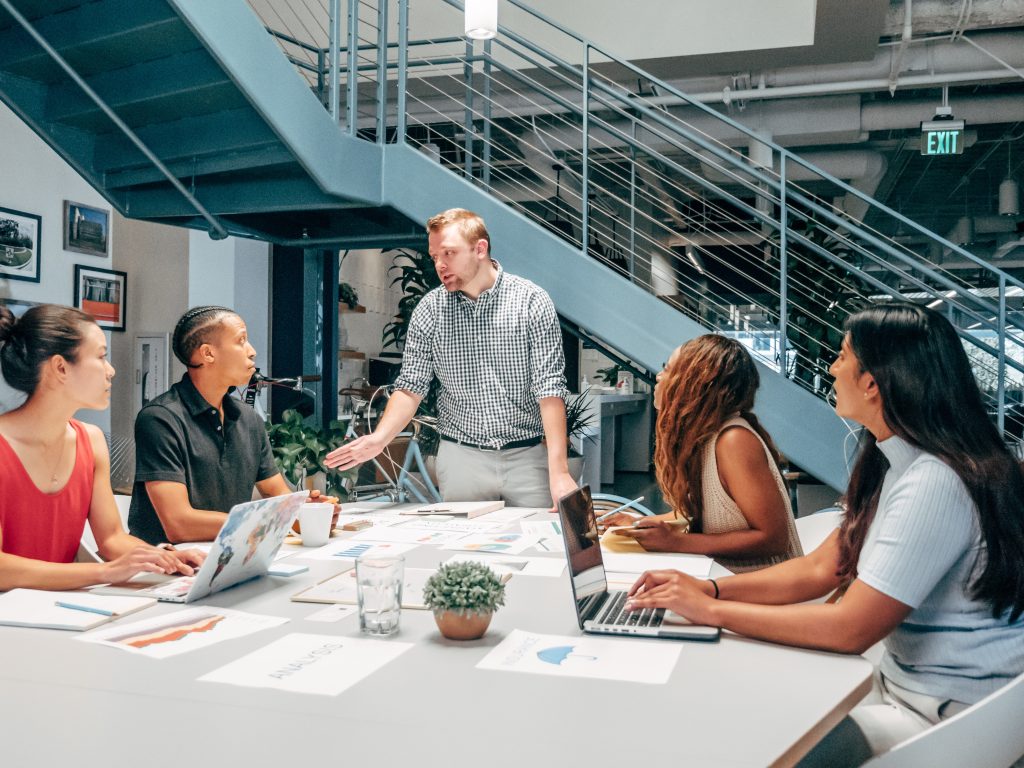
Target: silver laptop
[(599, 611), (243, 550)]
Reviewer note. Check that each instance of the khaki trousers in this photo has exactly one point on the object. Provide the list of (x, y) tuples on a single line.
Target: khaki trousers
[(519, 476)]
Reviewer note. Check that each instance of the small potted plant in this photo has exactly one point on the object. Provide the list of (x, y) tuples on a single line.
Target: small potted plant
[(463, 597)]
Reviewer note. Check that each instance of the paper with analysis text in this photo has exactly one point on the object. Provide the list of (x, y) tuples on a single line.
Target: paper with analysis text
[(182, 631), (305, 663), (632, 660)]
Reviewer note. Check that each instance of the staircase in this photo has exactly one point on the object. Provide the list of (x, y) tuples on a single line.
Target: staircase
[(644, 229)]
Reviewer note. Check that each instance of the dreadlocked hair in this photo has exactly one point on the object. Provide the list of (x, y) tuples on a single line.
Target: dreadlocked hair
[(195, 328), (707, 382)]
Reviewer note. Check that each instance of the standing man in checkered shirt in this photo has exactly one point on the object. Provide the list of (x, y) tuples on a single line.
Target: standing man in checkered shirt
[(493, 341)]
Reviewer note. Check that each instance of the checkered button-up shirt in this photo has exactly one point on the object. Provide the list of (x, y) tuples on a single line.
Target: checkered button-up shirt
[(495, 358)]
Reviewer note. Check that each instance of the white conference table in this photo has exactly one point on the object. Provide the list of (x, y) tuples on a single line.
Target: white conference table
[(737, 702)]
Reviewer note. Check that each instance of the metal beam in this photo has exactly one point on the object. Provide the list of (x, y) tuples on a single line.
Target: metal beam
[(233, 130), (88, 25), (341, 165), (232, 197), (145, 82), (184, 169)]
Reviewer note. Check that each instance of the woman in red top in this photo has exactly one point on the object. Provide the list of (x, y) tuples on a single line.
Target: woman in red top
[(54, 471)]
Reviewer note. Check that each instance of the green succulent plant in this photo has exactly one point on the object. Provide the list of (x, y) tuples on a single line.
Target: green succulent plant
[(464, 588)]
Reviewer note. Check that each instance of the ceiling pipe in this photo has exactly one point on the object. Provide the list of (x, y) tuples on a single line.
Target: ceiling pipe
[(941, 17), (897, 56)]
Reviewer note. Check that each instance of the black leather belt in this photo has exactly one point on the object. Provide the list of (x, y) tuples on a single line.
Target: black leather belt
[(527, 443)]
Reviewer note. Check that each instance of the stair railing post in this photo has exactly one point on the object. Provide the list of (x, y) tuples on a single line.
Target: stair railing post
[(382, 71), (486, 160), (334, 46), (585, 233), (783, 267), (467, 73), (1001, 382), (352, 60), (632, 206), (403, 66)]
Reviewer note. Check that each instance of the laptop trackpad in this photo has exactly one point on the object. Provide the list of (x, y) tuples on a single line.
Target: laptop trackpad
[(671, 617)]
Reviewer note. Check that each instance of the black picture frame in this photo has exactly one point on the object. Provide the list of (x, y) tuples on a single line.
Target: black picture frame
[(103, 295), (86, 229), (20, 245)]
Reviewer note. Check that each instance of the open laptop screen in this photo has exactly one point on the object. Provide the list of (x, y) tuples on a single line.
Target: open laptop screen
[(582, 544)]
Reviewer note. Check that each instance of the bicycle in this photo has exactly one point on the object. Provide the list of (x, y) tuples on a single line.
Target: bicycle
[(411, 478)]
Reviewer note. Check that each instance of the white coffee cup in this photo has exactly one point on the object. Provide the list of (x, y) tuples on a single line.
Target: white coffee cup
[(315, 523)]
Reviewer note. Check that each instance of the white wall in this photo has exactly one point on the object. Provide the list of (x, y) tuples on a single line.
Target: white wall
[(169, 269), (35, 180)]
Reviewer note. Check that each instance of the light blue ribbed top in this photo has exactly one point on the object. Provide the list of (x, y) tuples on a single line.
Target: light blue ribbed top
[(920, 550)]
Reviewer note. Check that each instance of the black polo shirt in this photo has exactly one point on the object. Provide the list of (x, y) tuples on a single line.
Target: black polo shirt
[(179, 438)]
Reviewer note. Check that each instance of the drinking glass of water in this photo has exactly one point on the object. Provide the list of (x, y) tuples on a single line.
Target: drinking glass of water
[(379, 590)]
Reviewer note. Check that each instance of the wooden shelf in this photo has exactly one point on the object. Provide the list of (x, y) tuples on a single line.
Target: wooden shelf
[(344, 309), (351, 354)]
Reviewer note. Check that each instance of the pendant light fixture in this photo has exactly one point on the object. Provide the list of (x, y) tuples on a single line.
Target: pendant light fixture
[(1009, 192), (481, 19)]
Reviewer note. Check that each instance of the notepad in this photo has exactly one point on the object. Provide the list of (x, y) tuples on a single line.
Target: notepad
[(468, 509), (38, 608)]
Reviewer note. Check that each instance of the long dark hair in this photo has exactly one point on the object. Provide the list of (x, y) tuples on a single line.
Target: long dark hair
[(712, 378), (29, 341), (931, 399)]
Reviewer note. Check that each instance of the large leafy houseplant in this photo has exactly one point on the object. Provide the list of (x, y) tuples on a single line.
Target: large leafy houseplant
[(300, 449), (416, 277), (578, 420)]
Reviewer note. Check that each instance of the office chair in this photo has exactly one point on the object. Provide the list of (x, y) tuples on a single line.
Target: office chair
[(986, 735)]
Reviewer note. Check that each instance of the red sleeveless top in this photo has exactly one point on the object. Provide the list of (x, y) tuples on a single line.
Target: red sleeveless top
[(45, 526)]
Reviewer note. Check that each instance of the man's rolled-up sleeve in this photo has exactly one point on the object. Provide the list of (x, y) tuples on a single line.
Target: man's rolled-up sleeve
[(547, 360), (418, 357)]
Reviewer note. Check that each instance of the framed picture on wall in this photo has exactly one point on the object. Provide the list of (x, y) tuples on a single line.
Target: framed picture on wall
[(101, 294), (19, 245), (86, 229)]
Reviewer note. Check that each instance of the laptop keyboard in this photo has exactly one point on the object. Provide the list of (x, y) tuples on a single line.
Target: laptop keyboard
[(614, 613)]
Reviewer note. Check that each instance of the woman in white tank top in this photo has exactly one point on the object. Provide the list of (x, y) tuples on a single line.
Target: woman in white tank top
[(715, 464)]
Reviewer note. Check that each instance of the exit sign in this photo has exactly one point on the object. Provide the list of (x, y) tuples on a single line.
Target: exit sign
[(942, 137)]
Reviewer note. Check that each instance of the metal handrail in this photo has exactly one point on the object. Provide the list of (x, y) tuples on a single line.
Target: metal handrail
[(617, 141)]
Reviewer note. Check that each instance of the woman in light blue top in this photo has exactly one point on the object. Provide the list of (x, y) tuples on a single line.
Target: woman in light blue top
[(930, 553)]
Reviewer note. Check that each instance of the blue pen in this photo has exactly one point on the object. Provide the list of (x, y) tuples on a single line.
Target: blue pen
[(627, 505), (86, 608)]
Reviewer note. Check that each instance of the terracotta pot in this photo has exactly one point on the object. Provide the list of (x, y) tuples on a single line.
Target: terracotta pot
[(458, 626)]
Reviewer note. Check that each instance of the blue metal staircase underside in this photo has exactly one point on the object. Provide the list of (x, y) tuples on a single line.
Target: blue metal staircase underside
[(203, 86)]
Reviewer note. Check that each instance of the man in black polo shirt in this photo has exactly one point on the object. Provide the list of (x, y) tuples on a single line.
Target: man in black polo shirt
[(199, 452)]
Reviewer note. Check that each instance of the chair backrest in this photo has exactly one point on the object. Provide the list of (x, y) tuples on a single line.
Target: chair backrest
[(89, 541), (987, 735), (814, 529)]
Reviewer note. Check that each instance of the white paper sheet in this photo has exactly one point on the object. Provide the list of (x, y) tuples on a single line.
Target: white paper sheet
[(332, 613), (518, 566), (404, 535), (633, 660), (500, 543), (181, 631), (449, 526), (620, 563), (510, 514), (550, 545), (342, 589), (542, 529), (349, 549), (307, 663)]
